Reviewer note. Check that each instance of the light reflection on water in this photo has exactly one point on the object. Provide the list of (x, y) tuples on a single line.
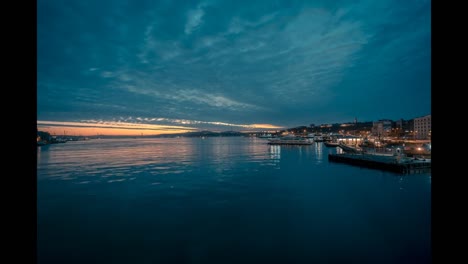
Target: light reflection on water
[(151, 197), (275, 153), (115, 160), (110, 158), (319, 151), (339, 150)]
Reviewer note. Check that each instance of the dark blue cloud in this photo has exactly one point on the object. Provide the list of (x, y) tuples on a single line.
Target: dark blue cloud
[(273, 62)]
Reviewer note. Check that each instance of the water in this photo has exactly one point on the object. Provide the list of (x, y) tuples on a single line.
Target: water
[(224, 200)]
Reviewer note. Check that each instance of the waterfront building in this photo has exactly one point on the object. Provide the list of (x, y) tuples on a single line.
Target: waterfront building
[(422, 127), (382, 127)]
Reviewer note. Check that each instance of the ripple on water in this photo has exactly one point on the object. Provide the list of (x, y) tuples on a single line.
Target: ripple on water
[(224, 189)]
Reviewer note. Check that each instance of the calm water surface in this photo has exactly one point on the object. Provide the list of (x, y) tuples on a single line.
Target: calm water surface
[(223, 200)]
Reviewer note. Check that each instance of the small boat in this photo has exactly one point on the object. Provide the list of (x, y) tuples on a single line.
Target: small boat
[(331, 144), (319, 138), (290, 140), (41, 143)]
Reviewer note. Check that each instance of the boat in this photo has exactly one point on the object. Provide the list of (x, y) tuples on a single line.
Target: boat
[(350, 149), (331, 144), (318, 138), (41, 143), (290, 140)]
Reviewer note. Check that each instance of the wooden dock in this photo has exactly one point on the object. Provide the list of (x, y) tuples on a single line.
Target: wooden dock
[(396, 164)]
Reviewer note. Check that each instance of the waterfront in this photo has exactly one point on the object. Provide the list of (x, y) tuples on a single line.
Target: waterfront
[(224, 200)]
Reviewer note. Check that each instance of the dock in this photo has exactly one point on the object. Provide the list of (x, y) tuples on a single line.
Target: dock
[(403, 165), (290, 143)]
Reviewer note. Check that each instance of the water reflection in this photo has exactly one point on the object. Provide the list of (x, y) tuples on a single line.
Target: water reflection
[(38, 153), (156, 160), (318, 151), (401, 183), (275, 153), (339, 150), (112, 160), (217, 190), (109, 160)]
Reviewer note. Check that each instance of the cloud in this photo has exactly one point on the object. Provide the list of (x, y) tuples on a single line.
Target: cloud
[(194, 20), (234, 62), (111, 124), (238, 25), (156, 124), (107, 74), (144, 85)]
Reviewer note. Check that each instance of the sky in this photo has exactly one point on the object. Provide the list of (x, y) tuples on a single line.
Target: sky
[(161, 66)]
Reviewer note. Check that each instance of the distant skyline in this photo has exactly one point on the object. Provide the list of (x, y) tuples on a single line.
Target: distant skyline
[(132, 67)]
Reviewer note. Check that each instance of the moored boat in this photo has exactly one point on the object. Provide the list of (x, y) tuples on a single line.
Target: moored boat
[(290, 140), (331, 144), (265, 136), (350, 149)]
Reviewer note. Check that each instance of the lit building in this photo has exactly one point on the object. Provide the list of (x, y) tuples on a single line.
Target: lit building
[(349, 140), (382, 127), (422, 127)]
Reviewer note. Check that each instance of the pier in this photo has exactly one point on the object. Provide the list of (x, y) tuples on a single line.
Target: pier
[(398, 164)]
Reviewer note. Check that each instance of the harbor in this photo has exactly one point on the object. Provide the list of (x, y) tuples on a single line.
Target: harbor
[(232, 132), (227, 188), (290, 140), (398, 164)]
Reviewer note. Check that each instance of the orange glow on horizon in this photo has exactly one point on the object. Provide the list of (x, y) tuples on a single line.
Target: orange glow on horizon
[(266, 126), (122, 128), (93, 131)]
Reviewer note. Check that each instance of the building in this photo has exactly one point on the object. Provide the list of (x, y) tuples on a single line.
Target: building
[(422, 127), (382, 127), (403, 128), (399, 124), (349, 140)]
